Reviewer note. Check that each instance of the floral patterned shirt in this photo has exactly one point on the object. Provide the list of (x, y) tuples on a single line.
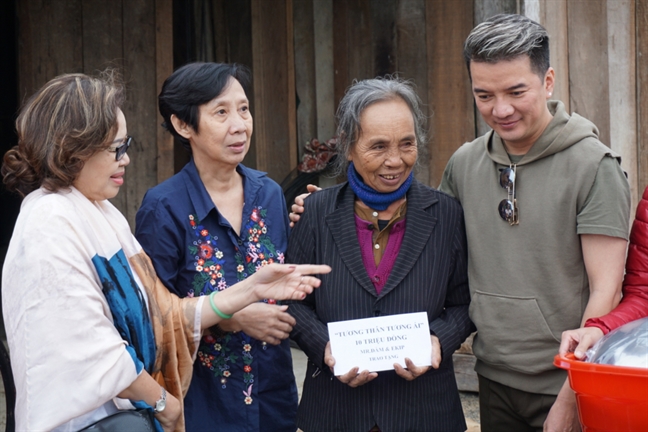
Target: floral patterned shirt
[(239, 383)]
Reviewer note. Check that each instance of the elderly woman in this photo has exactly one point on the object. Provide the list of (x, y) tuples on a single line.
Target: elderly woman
[(91, 330), (213, 224), (395, 246)]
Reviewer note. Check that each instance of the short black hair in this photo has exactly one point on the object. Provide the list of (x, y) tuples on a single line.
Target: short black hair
[(193, 85)]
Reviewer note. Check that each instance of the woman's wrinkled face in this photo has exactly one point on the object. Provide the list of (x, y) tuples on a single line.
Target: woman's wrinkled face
[(386, 150), (102, 175), (224, 128)]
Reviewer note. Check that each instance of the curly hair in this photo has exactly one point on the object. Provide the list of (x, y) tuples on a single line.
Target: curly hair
[(68, 120)]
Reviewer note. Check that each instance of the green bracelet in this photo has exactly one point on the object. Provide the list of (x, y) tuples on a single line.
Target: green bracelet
[(215, 309)]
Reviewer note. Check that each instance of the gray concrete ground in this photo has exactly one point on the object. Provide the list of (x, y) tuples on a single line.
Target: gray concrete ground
[(470, 401)]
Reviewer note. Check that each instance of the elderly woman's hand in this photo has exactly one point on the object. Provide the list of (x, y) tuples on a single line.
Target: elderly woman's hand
[(298, 207), (412, 371), (262, 321), (351, 378)]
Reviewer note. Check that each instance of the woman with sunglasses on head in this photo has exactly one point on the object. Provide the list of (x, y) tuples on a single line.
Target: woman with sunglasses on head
[(215, 223), (91, 330)]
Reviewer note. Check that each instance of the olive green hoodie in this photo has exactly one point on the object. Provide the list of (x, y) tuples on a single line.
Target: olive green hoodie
[(528, 282)]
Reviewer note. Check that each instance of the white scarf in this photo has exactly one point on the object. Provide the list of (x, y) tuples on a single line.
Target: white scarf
[(68, 358)]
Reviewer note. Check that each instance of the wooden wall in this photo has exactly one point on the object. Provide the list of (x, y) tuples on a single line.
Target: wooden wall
[(597, 53), (65, 36), (275, 122), (418, 40), (258, 34), (449, 92), (598, 49), (305, 53)]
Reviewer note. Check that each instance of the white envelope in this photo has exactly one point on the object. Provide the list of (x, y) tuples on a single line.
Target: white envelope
[(375, 344)]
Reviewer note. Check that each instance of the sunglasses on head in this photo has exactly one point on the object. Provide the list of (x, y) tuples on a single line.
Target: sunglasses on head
[(508, 208), (122, 148)]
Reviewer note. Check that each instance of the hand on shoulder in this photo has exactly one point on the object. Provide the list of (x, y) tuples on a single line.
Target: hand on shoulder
[(298, 207)]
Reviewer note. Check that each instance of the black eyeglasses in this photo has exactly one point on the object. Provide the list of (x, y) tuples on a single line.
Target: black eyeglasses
[(508, 208), (122, 148)]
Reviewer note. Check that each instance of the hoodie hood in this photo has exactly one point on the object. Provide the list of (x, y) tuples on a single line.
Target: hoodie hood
[(561, 133)]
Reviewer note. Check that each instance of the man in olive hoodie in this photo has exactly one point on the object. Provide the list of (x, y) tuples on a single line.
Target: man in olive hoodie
[(546, 207)]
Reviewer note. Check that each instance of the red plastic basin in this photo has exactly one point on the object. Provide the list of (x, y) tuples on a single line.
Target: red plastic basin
[(610, 398)]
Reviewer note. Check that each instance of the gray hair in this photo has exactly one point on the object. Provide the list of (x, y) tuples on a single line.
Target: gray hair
[(359, 97), (506, 37)]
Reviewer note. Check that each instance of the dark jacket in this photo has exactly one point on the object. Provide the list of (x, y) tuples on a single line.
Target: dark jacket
[(430, 274), (634, 304)]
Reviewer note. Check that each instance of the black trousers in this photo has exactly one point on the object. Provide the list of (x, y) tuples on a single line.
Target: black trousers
[(505, 409)]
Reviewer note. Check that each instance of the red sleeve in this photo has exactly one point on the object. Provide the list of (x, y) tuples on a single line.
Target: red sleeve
[(634, 304)]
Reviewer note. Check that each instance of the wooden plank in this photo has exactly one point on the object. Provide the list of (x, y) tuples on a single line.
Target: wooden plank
[(340, 48), (352, 44), (183, 52), (239, 32), (220, 27), (531, 9), (49, 42), (449, 92), (360, 63), (324, 68), (163, 68), (466, 346), (622, 73), (26, 46), (464, 367), (485, 9), (292, 99), (412, 64), (324, 75), (101, 49), (383, 39), (102, 21), (183, 38), (553, 16), (258, 98), (641, 18), (588, 63), (239, 50), (139, 35), (274, 90), (204, 36)]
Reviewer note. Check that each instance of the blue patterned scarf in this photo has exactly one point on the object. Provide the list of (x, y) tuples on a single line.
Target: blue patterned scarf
[(374, 199)]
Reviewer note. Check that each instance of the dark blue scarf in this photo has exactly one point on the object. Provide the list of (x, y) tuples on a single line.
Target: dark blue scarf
[(374, 199)]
